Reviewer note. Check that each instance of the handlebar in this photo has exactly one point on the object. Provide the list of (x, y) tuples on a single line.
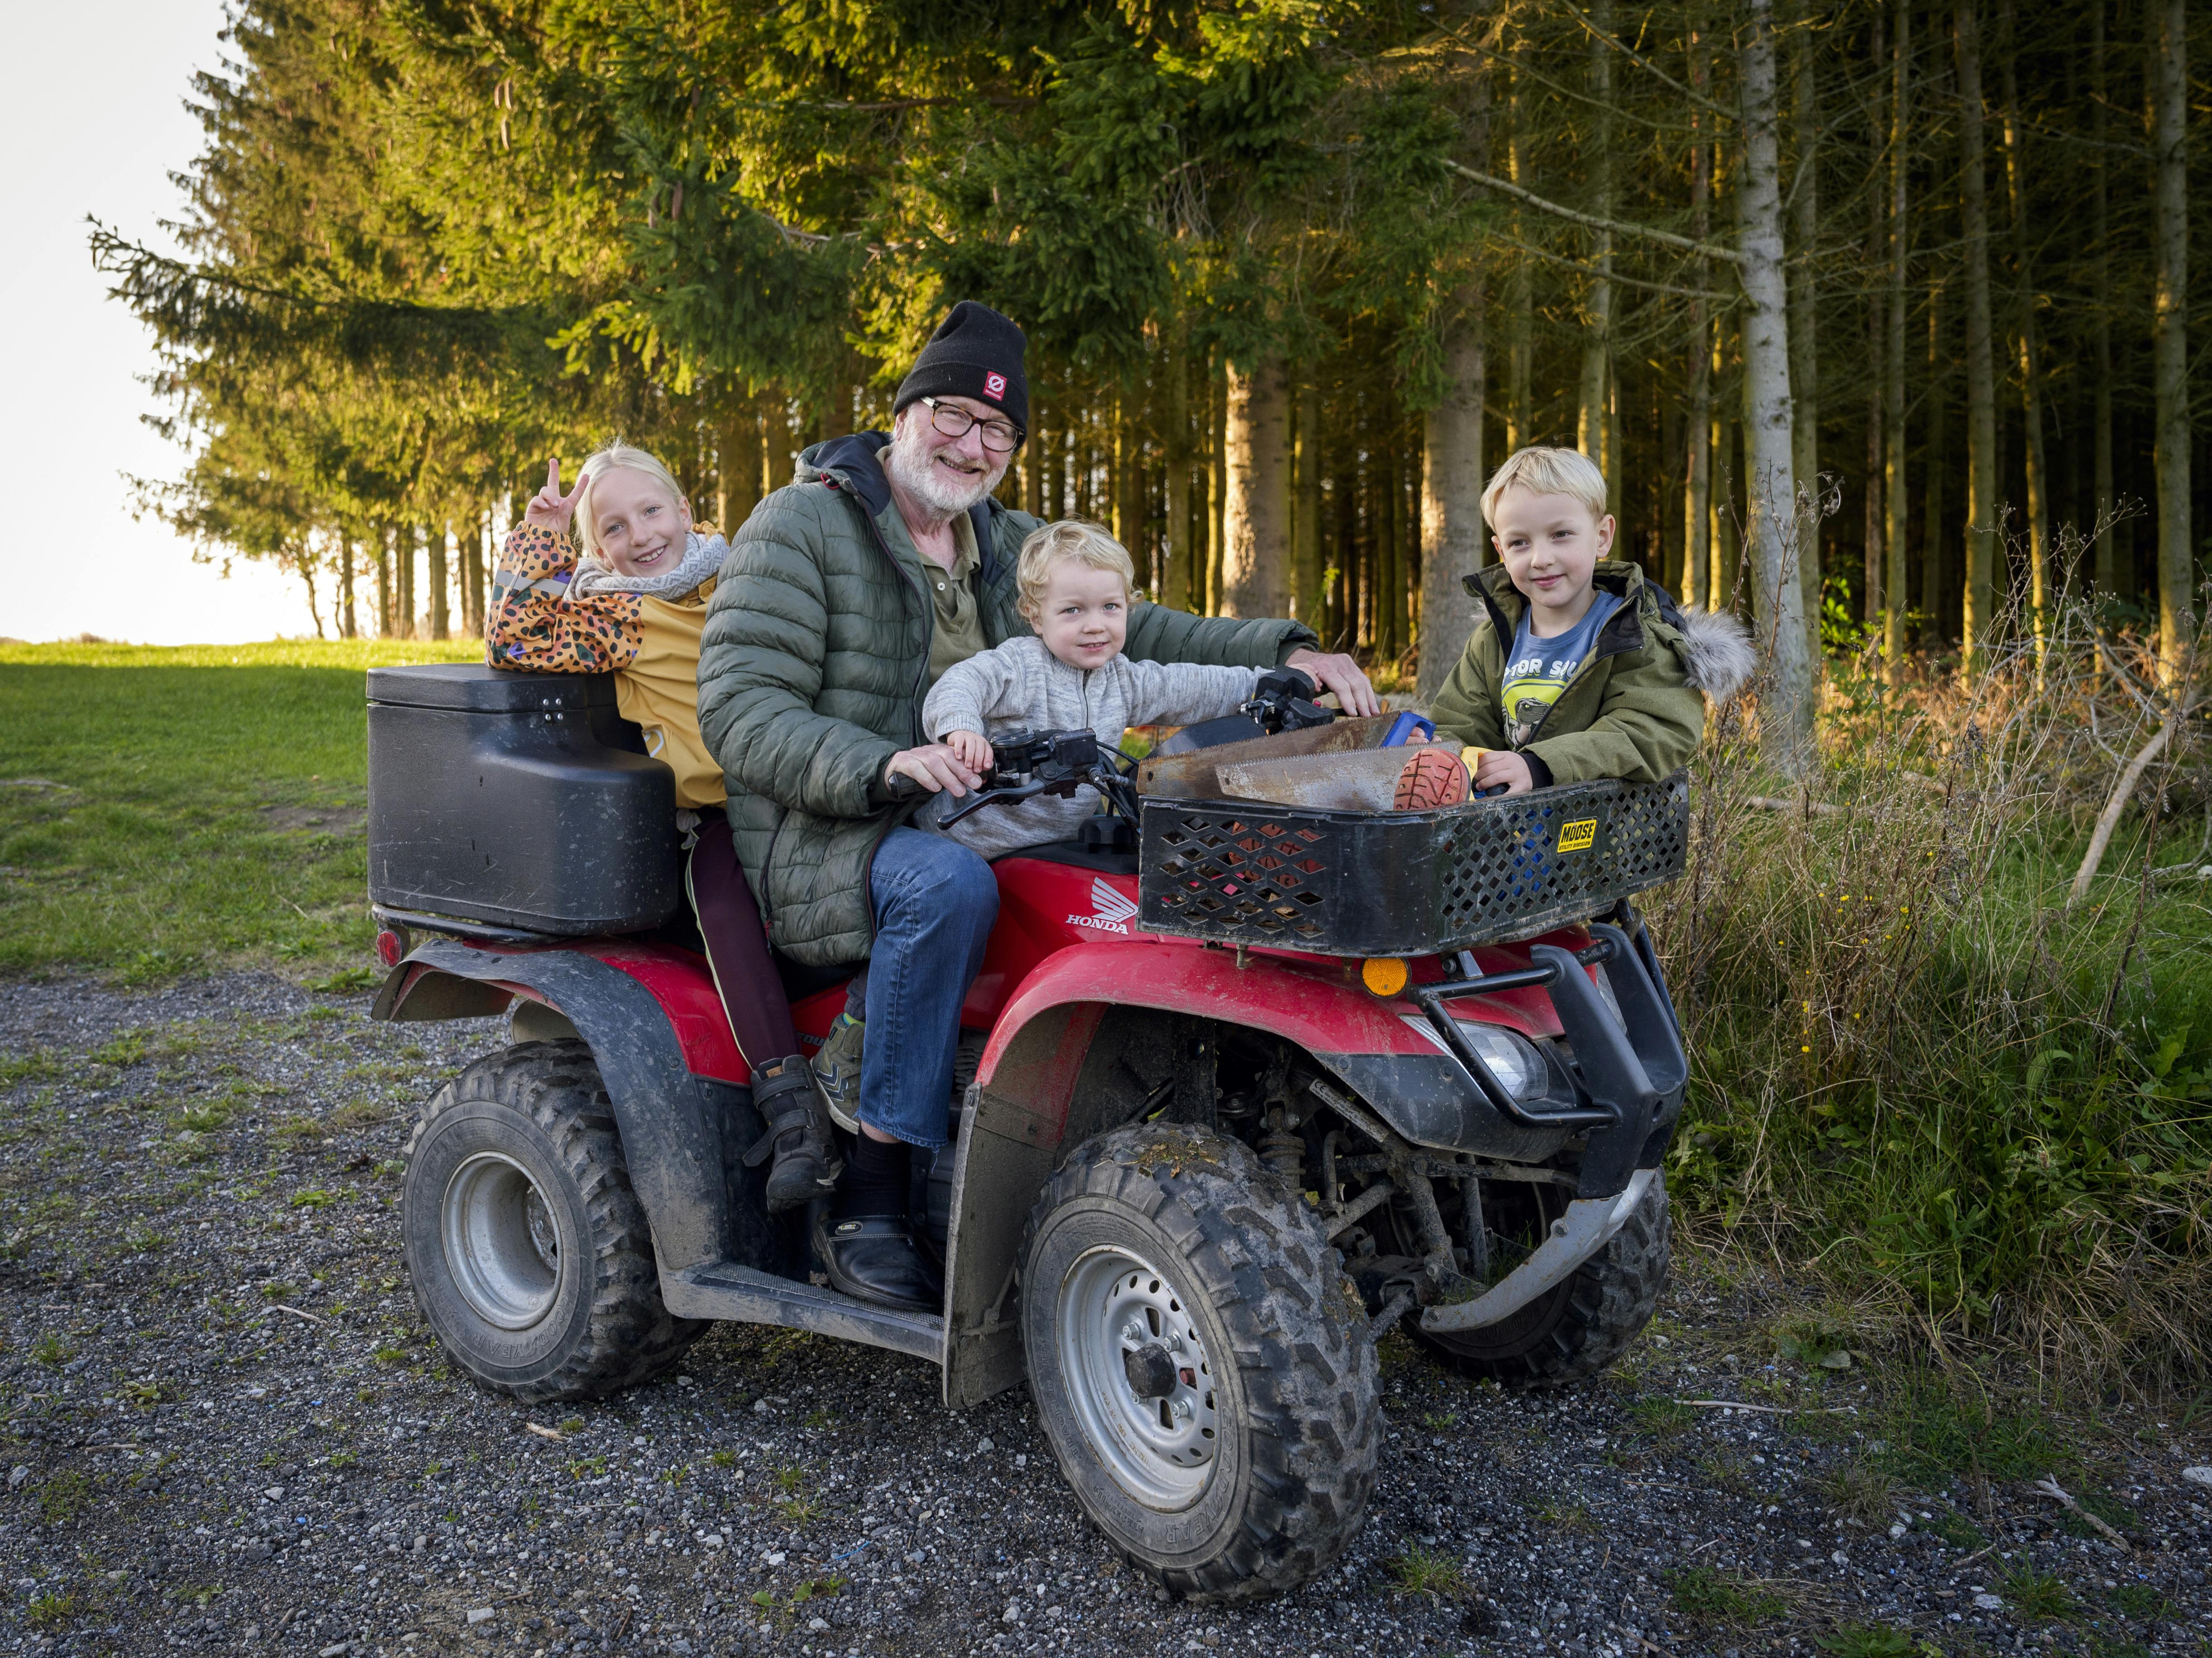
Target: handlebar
[(1051, 762), (1025, 765)]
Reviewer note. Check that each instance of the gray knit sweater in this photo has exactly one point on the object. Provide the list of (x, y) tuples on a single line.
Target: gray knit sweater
[(1023, 687)]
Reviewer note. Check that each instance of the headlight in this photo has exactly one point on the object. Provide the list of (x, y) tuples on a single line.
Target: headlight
[(1513, 1059)]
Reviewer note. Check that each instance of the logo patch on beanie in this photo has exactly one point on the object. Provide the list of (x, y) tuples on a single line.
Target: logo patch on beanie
[(995, 385)]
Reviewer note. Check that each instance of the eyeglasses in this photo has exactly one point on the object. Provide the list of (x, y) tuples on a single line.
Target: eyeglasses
[(999, 436)]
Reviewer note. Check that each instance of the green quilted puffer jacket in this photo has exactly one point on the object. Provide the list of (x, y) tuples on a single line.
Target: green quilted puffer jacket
[(813, 667)]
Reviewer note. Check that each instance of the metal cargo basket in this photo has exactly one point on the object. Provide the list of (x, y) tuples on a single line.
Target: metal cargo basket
[(1406, 883)]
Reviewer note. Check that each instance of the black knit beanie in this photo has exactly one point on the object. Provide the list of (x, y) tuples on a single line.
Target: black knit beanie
[(974, 353)]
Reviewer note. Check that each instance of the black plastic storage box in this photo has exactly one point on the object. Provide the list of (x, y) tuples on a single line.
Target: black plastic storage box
[(1406, 883), (519, 800)]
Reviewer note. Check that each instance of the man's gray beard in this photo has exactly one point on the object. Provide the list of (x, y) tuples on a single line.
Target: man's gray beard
[(908, 462)]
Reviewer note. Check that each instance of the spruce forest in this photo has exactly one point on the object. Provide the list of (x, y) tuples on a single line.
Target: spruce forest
[(1876, 314)]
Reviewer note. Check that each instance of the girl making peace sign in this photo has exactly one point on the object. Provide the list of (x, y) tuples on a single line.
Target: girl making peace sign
[(613, 577)]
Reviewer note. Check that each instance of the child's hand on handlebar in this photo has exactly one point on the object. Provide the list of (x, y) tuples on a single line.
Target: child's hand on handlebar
[(935, 767), (973, 747), (1503, 766)]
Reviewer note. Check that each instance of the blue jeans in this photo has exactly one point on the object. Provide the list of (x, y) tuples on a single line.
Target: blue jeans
[(935, 900)]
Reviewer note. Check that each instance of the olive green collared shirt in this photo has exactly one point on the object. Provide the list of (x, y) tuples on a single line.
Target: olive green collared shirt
[(959, 633)]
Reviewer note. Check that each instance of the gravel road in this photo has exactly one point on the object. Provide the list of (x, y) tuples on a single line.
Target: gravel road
[(225, 1428)]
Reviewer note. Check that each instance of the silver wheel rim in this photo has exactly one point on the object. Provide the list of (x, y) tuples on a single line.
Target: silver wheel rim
[(502, 1244), (1159, 1450)]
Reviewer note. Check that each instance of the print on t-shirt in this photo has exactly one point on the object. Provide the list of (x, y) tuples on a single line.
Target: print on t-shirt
[(1537, 669)]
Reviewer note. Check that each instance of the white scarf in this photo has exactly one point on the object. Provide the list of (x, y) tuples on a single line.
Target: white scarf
[(702, 558)]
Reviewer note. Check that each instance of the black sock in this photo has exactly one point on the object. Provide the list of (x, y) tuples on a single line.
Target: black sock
[(876, 1179)]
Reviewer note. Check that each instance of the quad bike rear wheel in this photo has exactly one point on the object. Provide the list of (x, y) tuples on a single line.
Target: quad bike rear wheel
[(1201, 1364), (529, 1254), (1576, 1329)]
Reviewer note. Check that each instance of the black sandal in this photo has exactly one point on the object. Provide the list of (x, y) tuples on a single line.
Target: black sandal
[(797, 1133)]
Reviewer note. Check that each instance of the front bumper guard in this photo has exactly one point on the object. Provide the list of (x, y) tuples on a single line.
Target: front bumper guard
[(1587, 1227), (1633, 1071)]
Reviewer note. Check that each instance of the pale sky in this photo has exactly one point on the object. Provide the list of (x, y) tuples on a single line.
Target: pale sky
[(96, 124)]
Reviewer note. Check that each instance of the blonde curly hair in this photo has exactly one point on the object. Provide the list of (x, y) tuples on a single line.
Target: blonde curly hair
[(1070, 538)]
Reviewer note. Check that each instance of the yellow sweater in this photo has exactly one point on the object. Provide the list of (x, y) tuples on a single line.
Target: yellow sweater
[(650, 644)]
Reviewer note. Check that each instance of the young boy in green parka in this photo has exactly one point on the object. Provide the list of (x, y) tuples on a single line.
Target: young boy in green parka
[(1579, 668)]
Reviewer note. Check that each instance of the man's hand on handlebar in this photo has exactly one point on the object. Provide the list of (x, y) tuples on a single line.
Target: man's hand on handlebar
[(1341, 674), (936, 768), (973, 747)]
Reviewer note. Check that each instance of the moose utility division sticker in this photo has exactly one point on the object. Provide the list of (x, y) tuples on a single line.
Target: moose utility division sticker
[(1578, 837)]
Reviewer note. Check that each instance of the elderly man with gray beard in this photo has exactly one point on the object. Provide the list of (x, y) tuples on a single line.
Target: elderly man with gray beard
[(844, 596)]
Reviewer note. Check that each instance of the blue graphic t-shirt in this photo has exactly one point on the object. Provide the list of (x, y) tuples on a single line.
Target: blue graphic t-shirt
[(1537, 669)]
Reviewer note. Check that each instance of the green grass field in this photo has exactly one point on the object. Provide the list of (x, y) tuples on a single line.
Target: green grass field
[(162, 810)]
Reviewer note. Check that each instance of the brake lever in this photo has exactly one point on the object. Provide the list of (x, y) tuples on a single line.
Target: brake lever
[(991, 797)]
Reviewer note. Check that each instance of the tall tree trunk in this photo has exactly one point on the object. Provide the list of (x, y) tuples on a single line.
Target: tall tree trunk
[(1036, 447), (1874, 565), (2040, 575), (487, 551), (468, 539), (1052, 461), (410, 617), (1978, 619), (1520, 289), (1452, 476), (384, 539), (1722, 585), (1804, 318), (738, 464), (1698, 471), (837, 413), (2101, 323), (1597, 309), (303, 560), (1934, 560), (1216, 524), (1344, 499), (1310, 600), (1177, 446), (1897, 598), (434, 538), (2169, 331), (1255, 575), (1770, 519), (346, 551)]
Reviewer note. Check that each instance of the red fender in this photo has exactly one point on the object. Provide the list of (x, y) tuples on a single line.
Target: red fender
[(678, 981), (1313, 1001)]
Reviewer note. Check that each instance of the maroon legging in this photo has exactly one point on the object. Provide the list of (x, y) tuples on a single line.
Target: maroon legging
[(737, 946)]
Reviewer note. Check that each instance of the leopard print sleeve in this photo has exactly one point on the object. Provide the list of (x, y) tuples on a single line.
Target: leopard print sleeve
[(535, 625)]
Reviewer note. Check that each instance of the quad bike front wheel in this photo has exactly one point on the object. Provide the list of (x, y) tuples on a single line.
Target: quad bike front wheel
[(1200, 1363), (529, 1254), (1578, 1327)]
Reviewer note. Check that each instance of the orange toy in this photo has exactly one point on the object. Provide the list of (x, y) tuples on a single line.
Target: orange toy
[(1433, 778)]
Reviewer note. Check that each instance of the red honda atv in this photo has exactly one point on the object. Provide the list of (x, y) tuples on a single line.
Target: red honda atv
[(1242, 1086)]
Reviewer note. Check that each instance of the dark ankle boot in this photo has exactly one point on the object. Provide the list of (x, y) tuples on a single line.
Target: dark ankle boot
[(797, 1133)]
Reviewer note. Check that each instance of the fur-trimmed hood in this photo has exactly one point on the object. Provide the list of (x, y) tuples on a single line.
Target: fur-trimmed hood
[(1718, 657)]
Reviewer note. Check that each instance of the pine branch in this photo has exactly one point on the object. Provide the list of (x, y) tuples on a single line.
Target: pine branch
[(1652, 68), (1502, 239), (1591, 221)]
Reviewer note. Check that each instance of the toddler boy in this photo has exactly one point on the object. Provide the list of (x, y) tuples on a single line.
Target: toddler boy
[(1579, 668), (1075, 581)]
